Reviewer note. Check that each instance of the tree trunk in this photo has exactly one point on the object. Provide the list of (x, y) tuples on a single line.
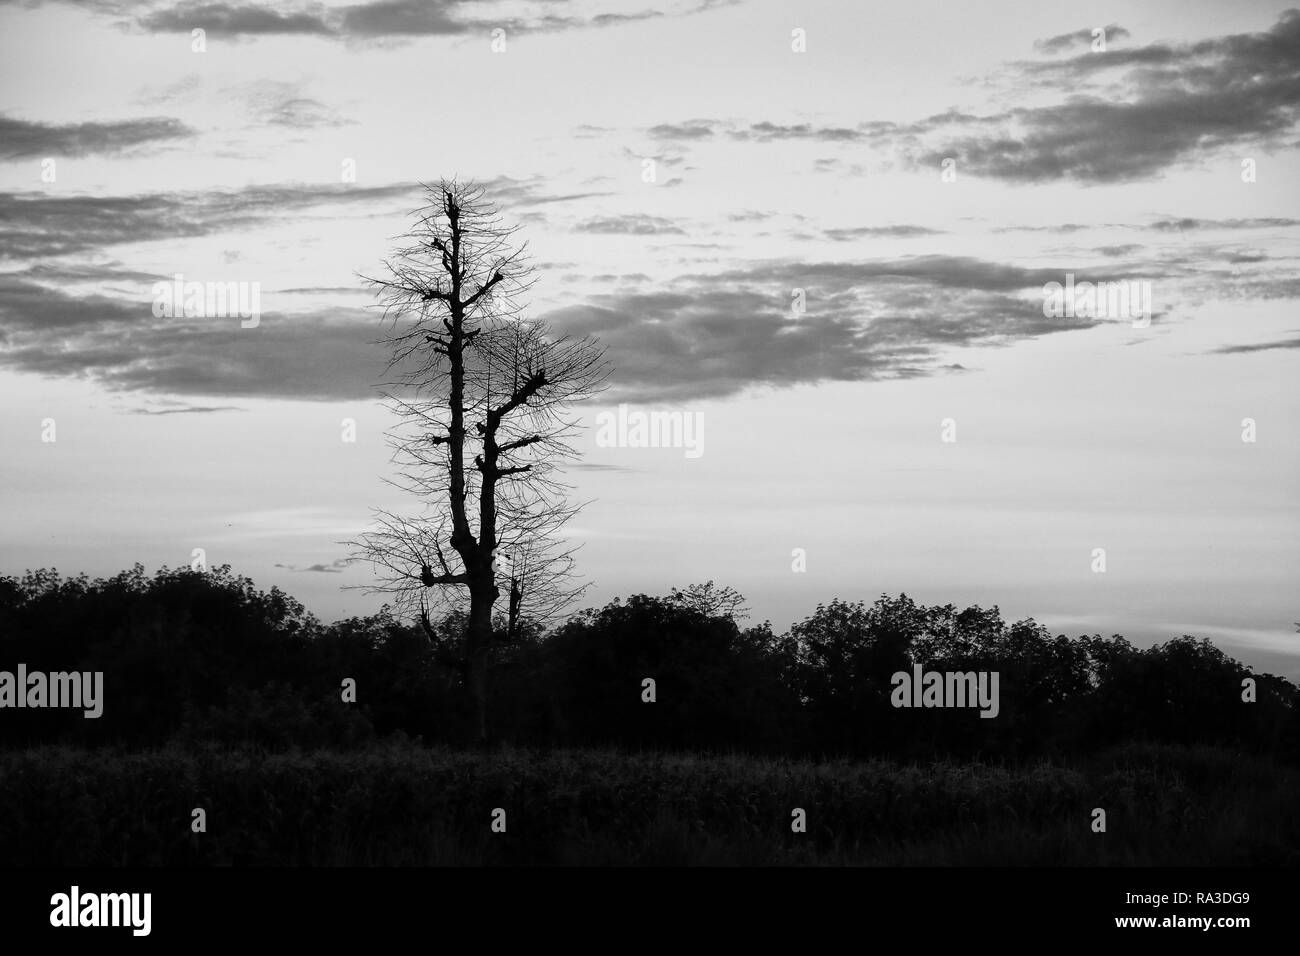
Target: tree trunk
[(478, 640)]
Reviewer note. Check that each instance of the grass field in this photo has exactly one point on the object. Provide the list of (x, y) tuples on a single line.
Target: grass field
[(402, 804)]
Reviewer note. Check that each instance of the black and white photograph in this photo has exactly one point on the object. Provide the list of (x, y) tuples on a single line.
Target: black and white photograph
[(488, 453)]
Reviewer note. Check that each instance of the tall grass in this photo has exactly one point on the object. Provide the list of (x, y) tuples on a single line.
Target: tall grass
[(402, 804)]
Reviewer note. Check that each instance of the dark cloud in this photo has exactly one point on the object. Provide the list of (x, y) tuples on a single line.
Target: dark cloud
[(98, 273), (691, 129), (766, 132), (508, 192), (404, 18), (1185, 225), (1237, 284), (1122, 115), (116, 341), (1260, 347), (1064, 227), (1066, 41), (302, 113), (712, 335), (119, 343), (23, 139), (334, 567), (955, 272), (35, 225), (375, 20), (334, 290), (1162, 225), (225, 19), (877, 232), (633, 225), (186, 410), (1170, 104), (715, 335), (621, 278)]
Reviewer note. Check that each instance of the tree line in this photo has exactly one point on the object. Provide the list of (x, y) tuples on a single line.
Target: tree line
[(207, 656)]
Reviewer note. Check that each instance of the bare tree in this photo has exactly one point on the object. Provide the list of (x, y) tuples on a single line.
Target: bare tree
[(482, 398), (713, 601)]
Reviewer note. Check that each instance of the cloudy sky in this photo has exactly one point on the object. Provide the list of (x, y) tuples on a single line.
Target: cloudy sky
[(679, 170)]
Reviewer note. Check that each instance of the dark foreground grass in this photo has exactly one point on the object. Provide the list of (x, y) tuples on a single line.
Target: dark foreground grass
[(408, 805)]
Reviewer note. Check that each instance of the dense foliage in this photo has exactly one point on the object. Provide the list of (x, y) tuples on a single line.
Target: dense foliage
[(190, 656)]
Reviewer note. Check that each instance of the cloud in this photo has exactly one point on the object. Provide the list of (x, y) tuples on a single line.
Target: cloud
[(632, 225), (507, 192), (716, 335), (283, 104), (405, 18), (118, 343), (1066, 41), (36, 226), (387, 19), (691, 129), (592, 466), (224, 19), (22, 139), (334, 567), (98, 273), (115, 340), (878, 232), (167, 93), (186, 410), (1121, 115), (766, 132), (713, 335), (1259, 347), (1186, 225), (1169, 104)]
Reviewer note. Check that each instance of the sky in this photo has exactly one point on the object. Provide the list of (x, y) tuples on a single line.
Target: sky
[(683, 173)]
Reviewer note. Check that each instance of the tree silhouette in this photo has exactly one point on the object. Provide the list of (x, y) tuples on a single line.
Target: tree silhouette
[(713, 601), (481, 396)]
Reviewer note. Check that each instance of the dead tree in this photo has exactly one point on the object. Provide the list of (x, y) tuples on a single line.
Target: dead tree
[(482, 398)]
